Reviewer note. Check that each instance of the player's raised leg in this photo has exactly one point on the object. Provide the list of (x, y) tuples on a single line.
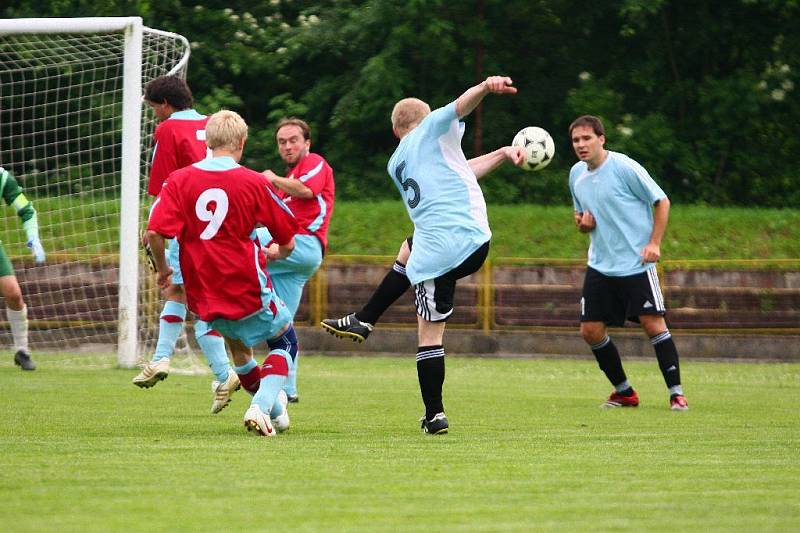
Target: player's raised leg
[(357, 326)]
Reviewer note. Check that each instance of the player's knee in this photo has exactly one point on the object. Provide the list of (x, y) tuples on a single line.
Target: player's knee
[(276, 363), (653, 324), (175, 293), (593, 332), (14, 301)]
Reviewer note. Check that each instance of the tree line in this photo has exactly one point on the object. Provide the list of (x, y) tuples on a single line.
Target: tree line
[(701, 92)]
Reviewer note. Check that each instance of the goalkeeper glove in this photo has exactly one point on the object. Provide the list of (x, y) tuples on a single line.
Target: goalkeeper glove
[(38, 251)]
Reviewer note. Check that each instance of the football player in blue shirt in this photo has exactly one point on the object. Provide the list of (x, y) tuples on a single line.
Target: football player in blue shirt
[(440, 190), (625, 213)]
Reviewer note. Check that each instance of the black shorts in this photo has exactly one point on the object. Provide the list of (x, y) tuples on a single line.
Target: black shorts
[(434, 297), (612, 299)]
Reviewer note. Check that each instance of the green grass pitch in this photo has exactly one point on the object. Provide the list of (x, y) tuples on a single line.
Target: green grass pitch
[(529, 449)]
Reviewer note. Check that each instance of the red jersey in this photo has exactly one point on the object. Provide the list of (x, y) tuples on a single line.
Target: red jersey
[(313, 214), (212, 207), (178, 141)]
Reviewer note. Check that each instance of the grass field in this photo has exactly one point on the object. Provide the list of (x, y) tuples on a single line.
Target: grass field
[(84, 450)]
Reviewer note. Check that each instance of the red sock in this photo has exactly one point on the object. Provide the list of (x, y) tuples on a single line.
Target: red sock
[(275, 364), (251, 380)]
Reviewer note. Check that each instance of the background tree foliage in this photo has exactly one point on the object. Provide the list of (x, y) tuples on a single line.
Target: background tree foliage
[(701, 92)]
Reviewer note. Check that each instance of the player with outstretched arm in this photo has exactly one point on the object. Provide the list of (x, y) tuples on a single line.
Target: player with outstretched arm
[(451, 236)]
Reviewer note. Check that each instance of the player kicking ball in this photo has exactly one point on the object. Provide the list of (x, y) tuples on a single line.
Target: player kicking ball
[(440, 190), (212, 207)]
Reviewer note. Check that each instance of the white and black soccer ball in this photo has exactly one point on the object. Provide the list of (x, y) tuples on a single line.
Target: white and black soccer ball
[(539, 147)]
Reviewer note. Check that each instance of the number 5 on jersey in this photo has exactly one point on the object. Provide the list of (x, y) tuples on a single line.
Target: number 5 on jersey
[(410, 183)]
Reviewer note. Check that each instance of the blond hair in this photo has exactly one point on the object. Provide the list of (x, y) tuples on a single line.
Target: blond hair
[(225, 129), (407, 113)]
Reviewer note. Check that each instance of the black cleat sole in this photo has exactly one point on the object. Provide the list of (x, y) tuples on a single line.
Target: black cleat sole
[(342, 334)]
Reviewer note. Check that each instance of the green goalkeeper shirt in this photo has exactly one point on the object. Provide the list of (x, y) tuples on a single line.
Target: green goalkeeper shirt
[(13, 196)]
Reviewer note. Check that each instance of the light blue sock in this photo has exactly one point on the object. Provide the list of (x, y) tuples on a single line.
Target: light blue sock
[(291, 380), (270, 385), (268, 392), (277, 409), (245, 368), (170, 329), (213, 347)]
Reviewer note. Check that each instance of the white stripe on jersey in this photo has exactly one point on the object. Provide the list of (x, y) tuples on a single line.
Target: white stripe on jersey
[(311, 173), (454, 158)]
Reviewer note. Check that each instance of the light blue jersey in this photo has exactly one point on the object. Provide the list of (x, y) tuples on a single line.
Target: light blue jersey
[(620, 194), (441, 195)]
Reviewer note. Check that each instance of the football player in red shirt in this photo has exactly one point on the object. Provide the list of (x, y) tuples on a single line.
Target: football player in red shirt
[(308, 190), (211, 207), (180, 140)]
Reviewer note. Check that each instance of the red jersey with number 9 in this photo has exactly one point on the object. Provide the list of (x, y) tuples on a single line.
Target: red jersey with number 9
[(177, 142), (212, 213)]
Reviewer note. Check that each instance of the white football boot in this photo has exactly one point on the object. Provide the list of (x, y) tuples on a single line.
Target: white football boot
[(255, 420), (224, 391), (152, 372), (281, 422)]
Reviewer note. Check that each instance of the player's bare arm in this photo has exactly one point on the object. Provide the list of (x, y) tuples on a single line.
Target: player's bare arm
[(292, 187), (651, 253), (473, 96), (163, 270), (486, 163)]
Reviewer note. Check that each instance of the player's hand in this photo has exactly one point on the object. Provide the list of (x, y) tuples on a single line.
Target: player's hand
[(515, 154), (272, 252), (651, 253), (585, 221), (164, 279), (37, 250), (270, 176), (500, 85)]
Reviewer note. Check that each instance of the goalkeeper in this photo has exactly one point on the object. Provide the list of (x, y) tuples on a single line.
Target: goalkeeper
[(16, 310)]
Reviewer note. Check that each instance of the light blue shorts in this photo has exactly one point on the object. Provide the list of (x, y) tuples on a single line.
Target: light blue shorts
[(290, 275), (262, 325), (173, 260), (255, 328)]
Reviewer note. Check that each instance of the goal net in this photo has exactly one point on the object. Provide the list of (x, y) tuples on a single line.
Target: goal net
[(75, 134)]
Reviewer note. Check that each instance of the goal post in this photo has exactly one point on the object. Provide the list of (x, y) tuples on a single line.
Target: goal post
[(75, 134)]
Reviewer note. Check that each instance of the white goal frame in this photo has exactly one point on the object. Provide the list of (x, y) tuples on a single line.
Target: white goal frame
[(128, 329)]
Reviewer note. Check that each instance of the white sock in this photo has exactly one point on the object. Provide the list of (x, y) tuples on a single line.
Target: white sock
[(18, 321)]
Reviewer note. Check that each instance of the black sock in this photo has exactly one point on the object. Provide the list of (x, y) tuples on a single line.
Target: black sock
[(430, 371), (608, 358), (393, 286), (667, 355)]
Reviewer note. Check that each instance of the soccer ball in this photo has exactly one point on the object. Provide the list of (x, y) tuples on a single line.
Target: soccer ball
[(539, 147)]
